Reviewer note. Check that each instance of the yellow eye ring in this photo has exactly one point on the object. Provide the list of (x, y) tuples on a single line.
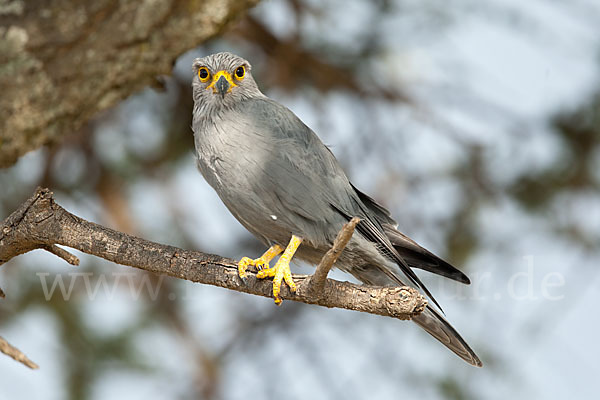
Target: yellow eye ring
[(203, 74), (240, 72)]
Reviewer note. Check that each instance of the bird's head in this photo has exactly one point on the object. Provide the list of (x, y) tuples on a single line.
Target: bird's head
[(222, 79)]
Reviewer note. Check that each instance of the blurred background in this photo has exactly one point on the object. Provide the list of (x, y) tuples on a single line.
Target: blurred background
[(477, 123)]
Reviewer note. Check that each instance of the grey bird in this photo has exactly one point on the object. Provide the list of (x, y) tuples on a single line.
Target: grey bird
[(287, 188)]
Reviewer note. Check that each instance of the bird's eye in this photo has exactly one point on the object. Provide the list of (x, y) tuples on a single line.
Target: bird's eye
[(203, 74), (240, 72)]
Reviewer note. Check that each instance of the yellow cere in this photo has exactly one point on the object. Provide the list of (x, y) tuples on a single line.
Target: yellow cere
[(216, 78)]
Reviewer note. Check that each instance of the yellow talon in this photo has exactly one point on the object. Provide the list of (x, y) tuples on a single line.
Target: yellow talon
[(281, 271), (243, 266), (260, 263)]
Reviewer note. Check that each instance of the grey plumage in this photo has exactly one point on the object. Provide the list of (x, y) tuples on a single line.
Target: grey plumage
[(278, 179)]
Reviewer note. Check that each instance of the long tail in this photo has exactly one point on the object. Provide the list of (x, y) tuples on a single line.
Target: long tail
[(391, 243), (430, 319), (439, 328)]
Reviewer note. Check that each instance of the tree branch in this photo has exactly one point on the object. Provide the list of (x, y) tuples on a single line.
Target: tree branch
[(317, 281), (41, 223), (62, 253), (16, 354)]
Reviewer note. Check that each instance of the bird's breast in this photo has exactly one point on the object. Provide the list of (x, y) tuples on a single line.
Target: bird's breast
[(232, 159)]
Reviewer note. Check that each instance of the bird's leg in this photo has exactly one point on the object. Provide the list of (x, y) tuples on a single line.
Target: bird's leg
[(281, 271), (259, 263)]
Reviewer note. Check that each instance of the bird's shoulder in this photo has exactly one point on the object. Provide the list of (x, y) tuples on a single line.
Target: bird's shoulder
[(275, 119)]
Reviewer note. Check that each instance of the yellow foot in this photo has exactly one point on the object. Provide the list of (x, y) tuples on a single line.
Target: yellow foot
[(259, 263), (281, 271)]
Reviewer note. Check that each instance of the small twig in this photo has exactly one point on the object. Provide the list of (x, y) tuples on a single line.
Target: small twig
[(317, 281), (2, 294), (62, 253), (16, 354)]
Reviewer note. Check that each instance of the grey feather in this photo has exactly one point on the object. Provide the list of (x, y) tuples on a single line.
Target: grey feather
[(278, 179)]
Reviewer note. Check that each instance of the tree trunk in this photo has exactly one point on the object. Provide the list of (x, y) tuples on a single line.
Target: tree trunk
[(63, 61)]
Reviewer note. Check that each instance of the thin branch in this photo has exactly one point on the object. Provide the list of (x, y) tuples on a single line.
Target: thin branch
[(62, 253), (41, 223), (317, 281), (16, 354), (2, 294)]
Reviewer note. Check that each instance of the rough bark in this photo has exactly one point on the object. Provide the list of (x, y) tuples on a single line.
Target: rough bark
[(63, 61), (40, 223)]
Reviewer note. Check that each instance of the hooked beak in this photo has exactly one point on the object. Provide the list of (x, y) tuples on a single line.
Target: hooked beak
[(222, 83), (222, 86)]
